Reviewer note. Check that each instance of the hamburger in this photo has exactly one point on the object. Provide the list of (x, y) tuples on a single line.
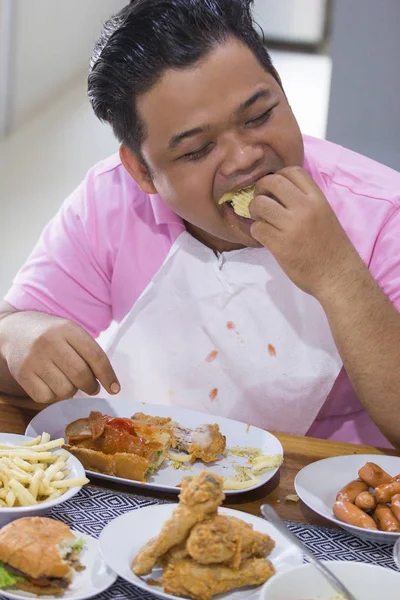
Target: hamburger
[(38, 555)]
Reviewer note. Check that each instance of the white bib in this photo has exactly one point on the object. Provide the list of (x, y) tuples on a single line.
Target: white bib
[(229, 335)]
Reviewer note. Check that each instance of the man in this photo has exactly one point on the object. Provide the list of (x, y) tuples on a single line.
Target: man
[(288, 320)]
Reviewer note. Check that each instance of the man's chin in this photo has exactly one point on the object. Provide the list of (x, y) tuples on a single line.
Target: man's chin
[(239, 228)]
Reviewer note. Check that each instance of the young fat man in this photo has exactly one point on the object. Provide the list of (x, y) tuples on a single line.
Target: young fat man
[(288, 320)]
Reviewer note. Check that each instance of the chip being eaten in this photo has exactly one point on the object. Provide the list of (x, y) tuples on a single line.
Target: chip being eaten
[(240, 201)]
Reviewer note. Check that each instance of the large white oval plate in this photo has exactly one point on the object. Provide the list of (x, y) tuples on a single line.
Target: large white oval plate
[(54, 419), (318, 483), (118, 549), (96, 577)]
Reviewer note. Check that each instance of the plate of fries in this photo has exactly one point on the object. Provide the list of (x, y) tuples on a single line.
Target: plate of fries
[(35, 475)]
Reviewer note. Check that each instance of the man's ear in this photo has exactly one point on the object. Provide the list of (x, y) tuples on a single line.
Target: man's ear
[(137, 170)]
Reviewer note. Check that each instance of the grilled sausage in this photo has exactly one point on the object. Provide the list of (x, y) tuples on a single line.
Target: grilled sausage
[(385, 492), (352, 515), (373, 475), (365, 501), (386, 519), (350, 491), (395, 505)]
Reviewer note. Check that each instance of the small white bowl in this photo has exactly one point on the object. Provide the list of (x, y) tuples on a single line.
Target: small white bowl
[(365, 581), (318, 484), (76, 470)]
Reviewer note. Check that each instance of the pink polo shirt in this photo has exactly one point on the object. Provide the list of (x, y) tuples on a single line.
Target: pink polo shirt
[(103, 247)]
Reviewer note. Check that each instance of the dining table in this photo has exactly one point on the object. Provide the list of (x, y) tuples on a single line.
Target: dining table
[(279, 492), (100, 503)]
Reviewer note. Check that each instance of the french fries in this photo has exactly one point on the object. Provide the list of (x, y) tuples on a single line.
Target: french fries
[(31, 473)]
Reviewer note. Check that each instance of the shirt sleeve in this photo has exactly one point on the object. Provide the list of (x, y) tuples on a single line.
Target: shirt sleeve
[(63, 275), (385, 261)]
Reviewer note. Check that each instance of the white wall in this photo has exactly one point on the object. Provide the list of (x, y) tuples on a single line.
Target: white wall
[(51, 43), (292, 20), (40, 165)]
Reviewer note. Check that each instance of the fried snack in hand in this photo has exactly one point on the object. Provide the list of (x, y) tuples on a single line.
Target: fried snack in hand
[(198, 500), (227, 540), (201, 582)]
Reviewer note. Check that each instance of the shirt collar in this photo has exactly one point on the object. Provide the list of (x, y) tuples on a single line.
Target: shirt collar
[(162, 213)]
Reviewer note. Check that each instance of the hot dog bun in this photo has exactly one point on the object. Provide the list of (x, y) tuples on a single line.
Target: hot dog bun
[(120, 464), (119, 447)]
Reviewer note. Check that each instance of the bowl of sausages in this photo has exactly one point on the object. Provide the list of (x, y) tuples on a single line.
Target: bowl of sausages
[(359, 492)]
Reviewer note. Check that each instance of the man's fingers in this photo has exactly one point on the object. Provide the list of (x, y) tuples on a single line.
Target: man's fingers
[(265, 233), (96, 358), (263, 208), (77, 370), (58, 382), (299, 178), (279, 188), (38, 390)]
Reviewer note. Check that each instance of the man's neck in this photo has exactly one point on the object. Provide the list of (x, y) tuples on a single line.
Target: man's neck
[(211, 241)]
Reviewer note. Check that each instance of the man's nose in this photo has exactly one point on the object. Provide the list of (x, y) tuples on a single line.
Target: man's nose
[(240, 157)]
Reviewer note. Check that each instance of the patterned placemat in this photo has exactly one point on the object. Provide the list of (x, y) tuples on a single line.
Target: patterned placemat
[(92, 508)]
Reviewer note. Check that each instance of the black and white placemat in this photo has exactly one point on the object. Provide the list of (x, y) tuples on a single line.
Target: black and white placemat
[(92, 508)]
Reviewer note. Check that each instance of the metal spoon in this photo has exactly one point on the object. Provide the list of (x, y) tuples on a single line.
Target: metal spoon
[(270, 515)]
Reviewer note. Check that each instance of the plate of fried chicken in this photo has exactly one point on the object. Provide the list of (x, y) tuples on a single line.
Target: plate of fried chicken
[(196, 549), (158, 446)]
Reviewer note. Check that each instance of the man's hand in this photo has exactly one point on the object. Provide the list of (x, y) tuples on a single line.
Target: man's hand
[(52, 358), (296, 223)]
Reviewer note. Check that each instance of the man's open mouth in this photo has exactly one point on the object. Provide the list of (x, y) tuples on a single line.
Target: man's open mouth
[(240, 201)]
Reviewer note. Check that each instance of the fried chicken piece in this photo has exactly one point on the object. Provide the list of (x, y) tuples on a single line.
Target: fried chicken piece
[(198, 500), (206, 442), (174, 554), (187, 578), (139, 416), (227, 540)]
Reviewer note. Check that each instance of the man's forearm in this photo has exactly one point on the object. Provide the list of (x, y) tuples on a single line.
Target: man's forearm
[(8, 385), (366, 329)]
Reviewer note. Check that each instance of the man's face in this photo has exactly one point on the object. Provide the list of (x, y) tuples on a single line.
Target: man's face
[(215, 127)]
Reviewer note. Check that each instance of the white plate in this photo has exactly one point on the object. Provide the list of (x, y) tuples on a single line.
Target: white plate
[(119, 549), (318, 483), (73, 464), (54, 419), (96, 578)]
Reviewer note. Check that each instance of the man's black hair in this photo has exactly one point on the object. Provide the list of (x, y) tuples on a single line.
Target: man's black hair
[(148, 37)]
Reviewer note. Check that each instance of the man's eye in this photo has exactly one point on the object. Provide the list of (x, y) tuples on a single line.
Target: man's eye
[(262, 118), (197, 154)]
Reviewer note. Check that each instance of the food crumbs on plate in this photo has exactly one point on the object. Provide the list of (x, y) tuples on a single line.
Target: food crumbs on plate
[(179, 466), (213, 394), (271, 461), (248, 428), (271, 350), (292, 498), (245, 451), (231, 325), (212, 356), (155, 582)]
